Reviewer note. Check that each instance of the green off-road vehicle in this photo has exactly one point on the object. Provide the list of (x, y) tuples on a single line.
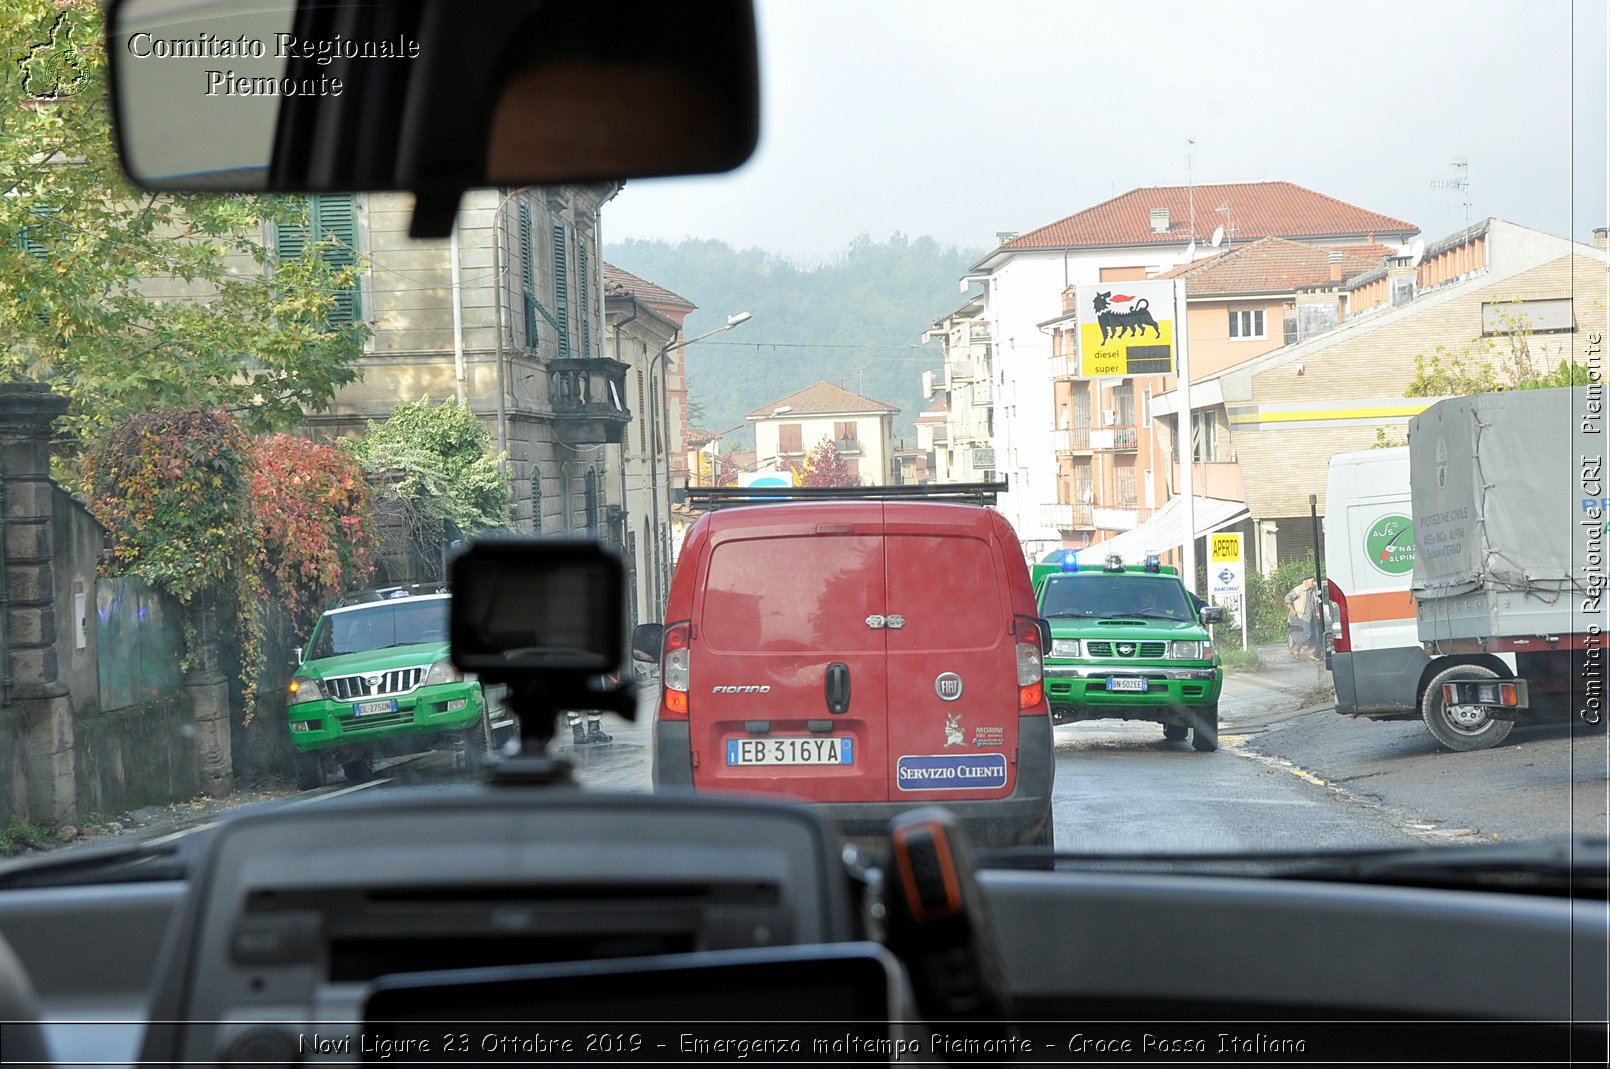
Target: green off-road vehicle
[(1130, 643), (375, 681)]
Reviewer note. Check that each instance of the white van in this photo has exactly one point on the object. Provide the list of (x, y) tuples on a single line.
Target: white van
[(1378, 665)]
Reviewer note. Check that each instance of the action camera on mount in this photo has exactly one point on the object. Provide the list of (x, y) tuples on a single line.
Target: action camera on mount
[(546, 617)]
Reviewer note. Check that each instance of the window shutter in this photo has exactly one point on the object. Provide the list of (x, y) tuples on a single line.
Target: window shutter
[(329, 216), (335, 215), (290, 240), (642, 410), (586, 303), (528, 276), (561, 288)]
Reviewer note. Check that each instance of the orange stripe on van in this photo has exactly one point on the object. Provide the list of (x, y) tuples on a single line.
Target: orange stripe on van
[(1386, 605)]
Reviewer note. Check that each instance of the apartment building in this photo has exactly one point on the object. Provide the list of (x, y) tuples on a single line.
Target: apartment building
[(1141, 234)]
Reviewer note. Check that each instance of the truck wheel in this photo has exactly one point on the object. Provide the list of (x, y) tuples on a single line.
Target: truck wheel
[(1462, 728), (1175, 732), (309, 771), (1205, 729)]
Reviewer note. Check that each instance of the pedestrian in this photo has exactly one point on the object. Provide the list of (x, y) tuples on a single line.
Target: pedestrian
[(1302, 630)]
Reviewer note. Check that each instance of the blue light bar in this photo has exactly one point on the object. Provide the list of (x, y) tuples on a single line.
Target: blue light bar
[(1152, 563), (1070, 561)]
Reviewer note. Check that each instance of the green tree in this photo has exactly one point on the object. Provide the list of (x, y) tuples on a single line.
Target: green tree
[(125, 301), (439, 459), (824, 466)]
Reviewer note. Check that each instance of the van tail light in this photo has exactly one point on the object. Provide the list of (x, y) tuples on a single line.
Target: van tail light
[(1030, 667), (1342, 638), (675, 672)]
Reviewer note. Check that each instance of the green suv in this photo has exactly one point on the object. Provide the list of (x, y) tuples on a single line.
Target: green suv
[(1130, 643), (375, 681)]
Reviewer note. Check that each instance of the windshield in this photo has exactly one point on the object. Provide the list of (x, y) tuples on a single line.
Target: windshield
[(1115, 596), (379, 626), (1204, 281)]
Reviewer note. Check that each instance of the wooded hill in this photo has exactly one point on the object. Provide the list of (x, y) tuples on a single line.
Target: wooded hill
[(856, 318)]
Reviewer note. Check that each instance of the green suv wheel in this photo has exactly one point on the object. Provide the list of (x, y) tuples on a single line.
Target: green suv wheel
[(1175, 732), (309, 771), (1205, 729), (477, 741)]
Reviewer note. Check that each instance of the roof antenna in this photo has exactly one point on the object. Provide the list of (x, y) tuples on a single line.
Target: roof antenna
[(1190, 185), (1462, 183)]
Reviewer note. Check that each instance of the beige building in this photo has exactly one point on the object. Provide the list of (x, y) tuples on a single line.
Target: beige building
[(862, 430), (643, 319), (507, 314), (1288, 411)]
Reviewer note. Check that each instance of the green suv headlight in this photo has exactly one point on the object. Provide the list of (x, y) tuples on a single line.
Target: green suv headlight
[(443, 671), (1064, 647), (303, 690), (1189, 651)]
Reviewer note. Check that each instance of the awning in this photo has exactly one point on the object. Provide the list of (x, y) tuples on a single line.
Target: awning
[(1165, 530)]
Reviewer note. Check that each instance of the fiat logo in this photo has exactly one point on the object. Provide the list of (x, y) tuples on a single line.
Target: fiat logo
[(948, 686)]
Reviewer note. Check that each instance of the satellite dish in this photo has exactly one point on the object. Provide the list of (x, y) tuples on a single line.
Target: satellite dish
[(1417, 252), (1218, 237), (1190, 252)]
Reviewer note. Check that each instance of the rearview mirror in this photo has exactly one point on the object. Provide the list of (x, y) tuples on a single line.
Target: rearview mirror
[(433, 96), (1212, 614), (646, 639)]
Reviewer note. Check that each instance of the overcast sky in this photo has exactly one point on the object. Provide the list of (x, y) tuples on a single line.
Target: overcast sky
[(960, 119)]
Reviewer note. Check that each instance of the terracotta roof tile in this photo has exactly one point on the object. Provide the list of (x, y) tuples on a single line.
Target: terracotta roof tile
[(1256, 210), (1275, 265), (821, 399), (621, 282)]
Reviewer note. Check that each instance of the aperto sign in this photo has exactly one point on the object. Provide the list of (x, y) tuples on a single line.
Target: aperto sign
[(1389, 544)]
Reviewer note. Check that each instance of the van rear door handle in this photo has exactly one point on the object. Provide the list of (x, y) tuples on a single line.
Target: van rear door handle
[(838, 687)]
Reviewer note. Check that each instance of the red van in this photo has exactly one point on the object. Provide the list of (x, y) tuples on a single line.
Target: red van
[(869, 656)]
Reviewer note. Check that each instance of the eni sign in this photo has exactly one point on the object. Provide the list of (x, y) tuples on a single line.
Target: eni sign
[(1125, 329)]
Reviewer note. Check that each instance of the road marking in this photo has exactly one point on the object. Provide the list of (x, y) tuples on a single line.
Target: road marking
[(1415, 827), (365, 785)]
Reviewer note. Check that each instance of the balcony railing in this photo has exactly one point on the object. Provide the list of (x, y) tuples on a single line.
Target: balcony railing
[(851, 447), (1114, 439), (1067, 517), (1071, 439), (585, 394)]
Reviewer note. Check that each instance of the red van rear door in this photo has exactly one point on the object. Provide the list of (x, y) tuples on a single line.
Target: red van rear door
[(787, 690), (953, 693)]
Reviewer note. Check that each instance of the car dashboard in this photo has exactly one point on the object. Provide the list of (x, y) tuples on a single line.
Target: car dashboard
[(310, 933)]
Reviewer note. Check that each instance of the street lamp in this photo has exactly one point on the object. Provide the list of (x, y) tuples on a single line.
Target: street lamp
[(661, 550)]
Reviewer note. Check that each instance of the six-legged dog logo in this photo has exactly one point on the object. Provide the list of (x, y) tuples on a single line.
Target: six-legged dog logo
[(1117, 322)]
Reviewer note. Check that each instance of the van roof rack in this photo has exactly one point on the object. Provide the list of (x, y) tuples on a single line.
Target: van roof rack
[(704, 498)]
